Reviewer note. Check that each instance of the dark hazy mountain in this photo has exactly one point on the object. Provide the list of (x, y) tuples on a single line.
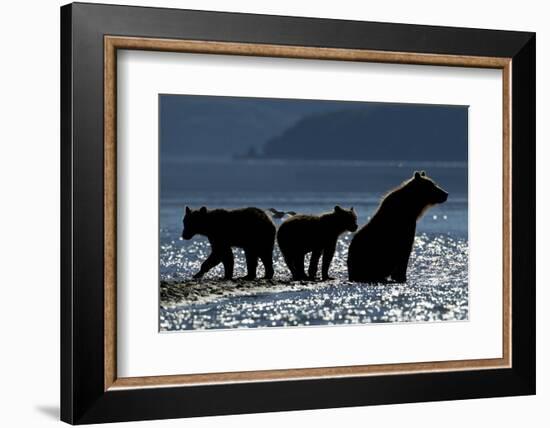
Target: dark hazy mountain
[(409, 132), (212, 126)]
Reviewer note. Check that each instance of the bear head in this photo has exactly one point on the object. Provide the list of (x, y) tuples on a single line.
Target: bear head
[(346, 218), (194, 222), (425, 191)]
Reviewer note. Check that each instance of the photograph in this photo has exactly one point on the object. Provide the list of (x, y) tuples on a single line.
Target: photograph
[(293, 212), (271, 211)]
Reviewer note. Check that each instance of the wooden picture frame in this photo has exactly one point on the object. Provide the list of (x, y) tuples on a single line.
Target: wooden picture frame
[(91, 390)]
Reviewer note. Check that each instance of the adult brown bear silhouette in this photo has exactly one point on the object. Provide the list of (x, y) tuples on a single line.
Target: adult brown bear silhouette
[(302, 234), (382, 247), (248, 228)]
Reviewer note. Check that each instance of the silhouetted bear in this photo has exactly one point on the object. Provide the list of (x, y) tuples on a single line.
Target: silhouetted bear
[(301, 234), (248, 228), (382, 247)]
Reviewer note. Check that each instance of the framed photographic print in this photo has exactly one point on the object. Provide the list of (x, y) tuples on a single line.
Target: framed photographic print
[(265, 213)]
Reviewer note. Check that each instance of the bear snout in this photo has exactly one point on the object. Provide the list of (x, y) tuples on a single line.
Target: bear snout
[(444, 196), (186, 236)]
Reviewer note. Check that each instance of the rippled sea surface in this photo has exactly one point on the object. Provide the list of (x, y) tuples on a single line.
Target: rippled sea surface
[(436, 288)]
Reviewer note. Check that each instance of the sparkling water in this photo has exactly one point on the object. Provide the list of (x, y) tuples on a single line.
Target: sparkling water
[(437, 276)]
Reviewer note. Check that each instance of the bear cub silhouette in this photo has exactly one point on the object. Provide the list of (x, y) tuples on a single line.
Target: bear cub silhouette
[(302, 234), (382, 247), (248, 228)]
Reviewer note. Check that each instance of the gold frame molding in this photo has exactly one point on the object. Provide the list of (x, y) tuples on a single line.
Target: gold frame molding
[(113, 43)]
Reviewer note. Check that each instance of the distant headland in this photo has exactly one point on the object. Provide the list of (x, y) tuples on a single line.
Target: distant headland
[(425, 133)]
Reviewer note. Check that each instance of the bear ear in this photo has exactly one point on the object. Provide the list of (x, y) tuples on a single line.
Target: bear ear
[(423, 173), (352, 210), (203, 210), (338, 208), (187, 210), (416, 175)]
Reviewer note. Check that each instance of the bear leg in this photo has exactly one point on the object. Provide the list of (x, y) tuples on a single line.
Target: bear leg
[(328, 254), (251, 264), (267, 259), (211, 261), (399, 273), (290, 258), (295, 264), (228, 262), (299, 274), (314, 264)]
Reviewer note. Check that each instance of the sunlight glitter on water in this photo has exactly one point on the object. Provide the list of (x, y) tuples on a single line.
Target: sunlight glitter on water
[(436, 290)]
